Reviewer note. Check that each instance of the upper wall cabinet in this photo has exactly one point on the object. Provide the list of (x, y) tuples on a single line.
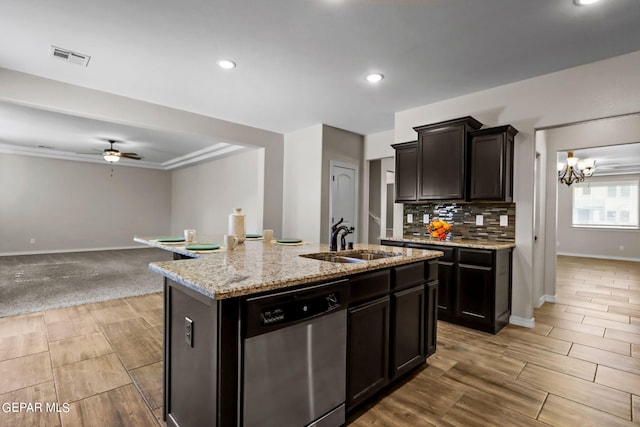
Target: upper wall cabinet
[(491, 164), (442, 151), (455, 160), (406, 182), (442, 159)]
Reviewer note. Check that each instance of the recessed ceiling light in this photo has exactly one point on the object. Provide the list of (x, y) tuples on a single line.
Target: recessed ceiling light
[(374, 77), (585, 2), (226, 64)]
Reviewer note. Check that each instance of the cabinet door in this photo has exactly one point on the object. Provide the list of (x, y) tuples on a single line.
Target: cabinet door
[(442, 164), (488, 173), (368, 350), (407, 341), (491, 163), (431, 318), (406, 173), (474, 293)]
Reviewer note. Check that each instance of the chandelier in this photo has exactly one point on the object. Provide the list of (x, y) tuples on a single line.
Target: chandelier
[(575, 170)]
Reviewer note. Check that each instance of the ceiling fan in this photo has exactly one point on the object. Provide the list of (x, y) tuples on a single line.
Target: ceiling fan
[(112, 155)]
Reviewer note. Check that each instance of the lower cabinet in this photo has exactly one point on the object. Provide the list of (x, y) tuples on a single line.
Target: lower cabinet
[(407, 338), (368, 350), (474, 285), (391, 326), (474, 290)]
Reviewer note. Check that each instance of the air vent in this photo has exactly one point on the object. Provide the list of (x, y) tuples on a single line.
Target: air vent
[(70, 56), (48, 147)]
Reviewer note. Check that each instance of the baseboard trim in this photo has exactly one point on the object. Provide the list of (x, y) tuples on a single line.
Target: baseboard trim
[(61, 251), (540, 301), (550, 298), (521, 321), (615, 258)]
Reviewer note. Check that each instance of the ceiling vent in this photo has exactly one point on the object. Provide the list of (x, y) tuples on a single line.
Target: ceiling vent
[(70, 56)]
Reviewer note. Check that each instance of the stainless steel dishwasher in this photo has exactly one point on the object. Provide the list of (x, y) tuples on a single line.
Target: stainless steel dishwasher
[(294, 358)]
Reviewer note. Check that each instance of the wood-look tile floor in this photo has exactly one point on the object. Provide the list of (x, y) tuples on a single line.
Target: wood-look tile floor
[(580, 365), (104, 360)]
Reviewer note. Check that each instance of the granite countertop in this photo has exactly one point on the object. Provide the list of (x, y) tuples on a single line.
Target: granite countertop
[(180, 248), (463, 243), (256, 266)]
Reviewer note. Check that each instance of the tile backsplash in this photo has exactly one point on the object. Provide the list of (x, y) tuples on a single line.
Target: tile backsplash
[(462, 217)]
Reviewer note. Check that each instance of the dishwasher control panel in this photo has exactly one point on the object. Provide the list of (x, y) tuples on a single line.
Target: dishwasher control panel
[(279, 309), (272, 316), (298, 310)]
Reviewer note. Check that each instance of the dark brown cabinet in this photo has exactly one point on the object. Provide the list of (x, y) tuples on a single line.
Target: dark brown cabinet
[(446, 279), (474, 289), (368, 354), (456, 160), (407, 315), (442, 149), (407, 339), (491, 164), (406, 182), (391, 326), (474, 286), (483, 290), (368, 335)]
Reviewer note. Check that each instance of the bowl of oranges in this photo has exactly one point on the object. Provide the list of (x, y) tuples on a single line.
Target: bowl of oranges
[(439, 229)]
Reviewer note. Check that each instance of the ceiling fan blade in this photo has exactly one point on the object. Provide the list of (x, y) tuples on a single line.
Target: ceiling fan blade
[(130, 156)]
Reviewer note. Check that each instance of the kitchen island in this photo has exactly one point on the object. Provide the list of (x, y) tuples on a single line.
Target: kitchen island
[(265, 335)]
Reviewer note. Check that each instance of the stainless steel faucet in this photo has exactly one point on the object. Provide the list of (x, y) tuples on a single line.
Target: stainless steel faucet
[(336, 230)]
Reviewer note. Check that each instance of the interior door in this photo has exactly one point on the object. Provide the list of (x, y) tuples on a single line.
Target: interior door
[(344, 195)]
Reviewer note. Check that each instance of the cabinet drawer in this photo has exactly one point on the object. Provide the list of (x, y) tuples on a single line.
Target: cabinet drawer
[(391, 243), (408, 275), (449, 253), (370, 285), (482, 257)]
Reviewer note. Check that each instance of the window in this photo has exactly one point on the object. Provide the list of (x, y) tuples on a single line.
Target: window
[(606, 204)]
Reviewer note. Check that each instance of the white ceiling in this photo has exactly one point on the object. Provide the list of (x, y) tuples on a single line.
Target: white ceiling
[(30, 131), (300, 62)]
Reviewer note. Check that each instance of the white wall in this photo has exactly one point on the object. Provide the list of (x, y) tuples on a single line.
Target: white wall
[(301, 207), (593, 242), (68, 205), (378, 145), (600, 89), (204, 195)]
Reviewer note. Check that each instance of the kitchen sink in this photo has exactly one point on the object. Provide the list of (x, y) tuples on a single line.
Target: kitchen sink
[(360, 255), (368, 255), (331, 257)]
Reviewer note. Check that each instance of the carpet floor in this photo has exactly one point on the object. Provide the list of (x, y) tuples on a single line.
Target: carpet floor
[(32, 283)]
